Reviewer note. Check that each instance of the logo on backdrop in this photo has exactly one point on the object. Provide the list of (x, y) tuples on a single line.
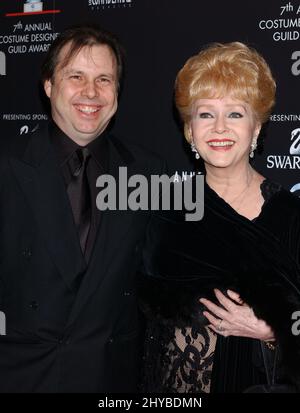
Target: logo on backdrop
[(296, 65), (295, 146), (291, 161), (32, 7), (2, 64), (24, 129), (109, 4), (2, 324), (30, 121), (286, 27), (295, 189)]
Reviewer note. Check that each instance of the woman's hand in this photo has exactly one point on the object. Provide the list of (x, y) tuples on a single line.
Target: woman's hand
[(235, 318)]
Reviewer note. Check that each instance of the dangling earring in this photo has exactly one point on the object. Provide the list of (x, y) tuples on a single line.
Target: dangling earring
[(193, 148), (253, 146)]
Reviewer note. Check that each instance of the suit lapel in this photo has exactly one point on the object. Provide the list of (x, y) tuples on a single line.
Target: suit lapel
[(40, 179), (112, 229)]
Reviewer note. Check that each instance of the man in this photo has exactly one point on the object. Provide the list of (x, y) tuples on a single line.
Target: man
[(67, 270)]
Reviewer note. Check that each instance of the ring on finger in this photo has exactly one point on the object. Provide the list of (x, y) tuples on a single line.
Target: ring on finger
[(219, 327)]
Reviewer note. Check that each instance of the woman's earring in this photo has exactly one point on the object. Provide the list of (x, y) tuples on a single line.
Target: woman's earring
[(193, 148), (253, 147)]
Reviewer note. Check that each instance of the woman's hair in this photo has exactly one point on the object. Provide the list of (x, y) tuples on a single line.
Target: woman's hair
[(226, 69)]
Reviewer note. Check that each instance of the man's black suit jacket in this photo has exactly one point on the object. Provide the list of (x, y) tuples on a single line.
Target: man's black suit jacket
[(62, 336)]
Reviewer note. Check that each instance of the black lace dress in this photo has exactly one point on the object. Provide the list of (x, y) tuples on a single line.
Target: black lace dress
[(185, 261)]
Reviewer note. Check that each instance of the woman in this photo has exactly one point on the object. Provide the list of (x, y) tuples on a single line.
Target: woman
[(219, 293)]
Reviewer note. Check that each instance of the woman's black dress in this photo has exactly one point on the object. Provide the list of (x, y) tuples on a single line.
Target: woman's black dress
[(184, 261)]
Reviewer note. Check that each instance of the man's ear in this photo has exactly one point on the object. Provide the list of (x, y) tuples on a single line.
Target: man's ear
[(48, 87)]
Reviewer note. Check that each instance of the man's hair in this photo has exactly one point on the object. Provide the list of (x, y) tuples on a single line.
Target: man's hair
[(80, 36)]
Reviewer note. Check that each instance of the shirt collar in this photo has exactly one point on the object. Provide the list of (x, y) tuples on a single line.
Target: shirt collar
[(65, 146)]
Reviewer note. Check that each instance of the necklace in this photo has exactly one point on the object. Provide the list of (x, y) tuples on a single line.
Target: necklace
[(241, 195)]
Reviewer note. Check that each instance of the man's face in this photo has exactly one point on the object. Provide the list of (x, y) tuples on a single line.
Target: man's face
[(83, 93)]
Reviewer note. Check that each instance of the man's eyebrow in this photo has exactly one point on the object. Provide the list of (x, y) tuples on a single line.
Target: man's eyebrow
[(81, 72)]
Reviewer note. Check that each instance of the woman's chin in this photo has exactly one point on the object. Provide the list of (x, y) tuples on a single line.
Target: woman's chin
[(218, 163)]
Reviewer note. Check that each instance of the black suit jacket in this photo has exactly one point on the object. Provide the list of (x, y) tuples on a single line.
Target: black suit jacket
[(63, 335)]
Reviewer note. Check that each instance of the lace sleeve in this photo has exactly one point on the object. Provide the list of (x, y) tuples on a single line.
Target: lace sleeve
[(178, 360)]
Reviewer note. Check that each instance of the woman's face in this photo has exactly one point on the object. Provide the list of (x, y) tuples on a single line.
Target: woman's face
[(222, 131)]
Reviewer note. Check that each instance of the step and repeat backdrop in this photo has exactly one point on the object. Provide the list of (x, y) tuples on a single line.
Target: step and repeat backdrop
[(158, 35)]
